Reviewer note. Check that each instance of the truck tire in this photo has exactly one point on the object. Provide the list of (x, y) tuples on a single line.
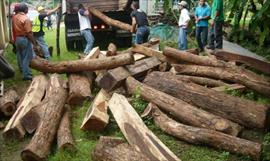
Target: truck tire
[(6, 70)]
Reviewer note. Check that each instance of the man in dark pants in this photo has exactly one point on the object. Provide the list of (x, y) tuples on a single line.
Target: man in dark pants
[(215, 32), (202, 14), (139, 20)]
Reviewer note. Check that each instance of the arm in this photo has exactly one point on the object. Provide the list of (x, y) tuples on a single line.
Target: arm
[(134, 23), (86, 13), (29, 33), (54, 10)]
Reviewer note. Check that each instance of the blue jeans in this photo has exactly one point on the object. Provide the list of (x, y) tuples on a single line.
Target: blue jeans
[(89, 40), (201, 36), (142, 35), (182, 39), (44, 47), (26, 53)]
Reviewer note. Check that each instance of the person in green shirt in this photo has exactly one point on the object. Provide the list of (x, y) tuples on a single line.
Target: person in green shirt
[(217, 19)]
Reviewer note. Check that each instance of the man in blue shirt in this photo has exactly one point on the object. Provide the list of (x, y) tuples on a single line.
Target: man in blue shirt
[(202, 14)]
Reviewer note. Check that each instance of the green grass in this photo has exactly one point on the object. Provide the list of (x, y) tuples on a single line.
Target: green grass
[(86, 141)]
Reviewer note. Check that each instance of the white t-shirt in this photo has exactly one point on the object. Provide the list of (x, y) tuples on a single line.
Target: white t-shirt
[(84, 22), (184, 17)]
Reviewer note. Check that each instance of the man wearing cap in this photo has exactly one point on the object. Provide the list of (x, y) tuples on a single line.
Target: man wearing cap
[(38, 26), (202, 14), (183, 25), (215, 32)]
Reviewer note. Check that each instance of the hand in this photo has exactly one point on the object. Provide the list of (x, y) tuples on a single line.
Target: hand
[(59, 6), (212, 23)]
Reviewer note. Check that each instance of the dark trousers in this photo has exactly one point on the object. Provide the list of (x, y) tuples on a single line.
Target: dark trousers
[(215, 35), (201, 36)]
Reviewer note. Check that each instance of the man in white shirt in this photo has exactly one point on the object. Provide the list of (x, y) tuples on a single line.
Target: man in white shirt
[(183, 25), (85, 28)]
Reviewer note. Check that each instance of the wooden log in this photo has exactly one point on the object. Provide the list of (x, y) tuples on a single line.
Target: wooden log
[(230, 87), (136, 132), (250, 80), (193, 51), (116, 149), (81, 65), (30, 121), (2, 125), (112, 50), (97, 117), (32, 98), (108, 20), (8, 102), (39, 147), (242, 111), (116, 77), (64, 136), (181, 110), (94, 53), (201, 136)]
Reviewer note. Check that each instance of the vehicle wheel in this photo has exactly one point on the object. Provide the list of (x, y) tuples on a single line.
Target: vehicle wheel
[(6, 70)]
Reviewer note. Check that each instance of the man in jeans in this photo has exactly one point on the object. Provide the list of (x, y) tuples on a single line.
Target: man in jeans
[(215, 32), (85, 28), (139, 20), (24, 40), (183, 25), (202, 14)]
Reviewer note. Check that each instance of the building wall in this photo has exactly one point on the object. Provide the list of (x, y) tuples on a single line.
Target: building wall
[(4, 34)]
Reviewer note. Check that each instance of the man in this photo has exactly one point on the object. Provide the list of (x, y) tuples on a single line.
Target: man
[(38, 29), (202, 14), (13, 36), (183, 25), (24, 40), (139, 24), (85, 28), (215, 32)]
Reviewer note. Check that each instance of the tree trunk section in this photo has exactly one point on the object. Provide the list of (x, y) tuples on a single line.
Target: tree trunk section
[(240, 76), (201, 136), (112, 50), (64, 135), (136, 132), (108, 20), (116, 149), (8, 102), (32, 98), (183, 111), (97, 117), (229, 87), (39, 147), (245, 112), (81, 65)]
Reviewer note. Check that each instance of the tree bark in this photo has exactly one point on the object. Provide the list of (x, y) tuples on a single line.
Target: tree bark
[(81, 65), (241, 76), (201, 136), (8, 102), (32, 98), (64, 135), (136, 132), (97, 117), (112, 50), (116, 149), (230, 87), (181, 110), (108, 20), (245, 112), (39, 147)]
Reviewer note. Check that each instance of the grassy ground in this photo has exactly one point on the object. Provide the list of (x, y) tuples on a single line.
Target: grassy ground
[(85, 141)]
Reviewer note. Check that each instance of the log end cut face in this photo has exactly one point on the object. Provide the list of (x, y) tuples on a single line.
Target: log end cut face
[(28, 155)]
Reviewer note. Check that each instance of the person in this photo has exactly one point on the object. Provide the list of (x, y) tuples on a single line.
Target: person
[(216, 23), (38, 29), (24, 39), (202, 14), (183, 25), (85, 28), (139, 24), (49, 22)]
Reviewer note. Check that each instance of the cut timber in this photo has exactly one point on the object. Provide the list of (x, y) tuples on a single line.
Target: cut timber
[(136, 132), (39, 147), (32, 98), (203, 136), (260, 65), (243, 111), (2, 125), (181, 110), (229, 87), (94, 53), (97, 117), (64, 135), (193, 51), (138, 56), (112, 50), (8, 102), (241, 76), (108, 20), (81, 65), (115, 77), (116, 149)]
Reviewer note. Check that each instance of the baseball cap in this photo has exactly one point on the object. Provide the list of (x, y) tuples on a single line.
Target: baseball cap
[(183, 3), (40, 8)]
